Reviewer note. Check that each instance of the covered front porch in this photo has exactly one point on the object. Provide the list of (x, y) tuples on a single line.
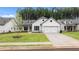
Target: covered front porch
[(70, 28), (28, 28)]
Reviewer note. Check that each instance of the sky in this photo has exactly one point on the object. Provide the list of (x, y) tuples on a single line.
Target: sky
[(8, 11)]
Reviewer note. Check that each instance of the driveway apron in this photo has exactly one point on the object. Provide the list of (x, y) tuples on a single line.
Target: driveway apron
[(62, 41)]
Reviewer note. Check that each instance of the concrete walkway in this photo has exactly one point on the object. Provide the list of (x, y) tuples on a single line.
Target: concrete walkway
[(62, 41), (23, 43)]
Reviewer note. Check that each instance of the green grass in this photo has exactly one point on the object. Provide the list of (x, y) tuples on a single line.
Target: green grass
[(26, 37), (72, 34)]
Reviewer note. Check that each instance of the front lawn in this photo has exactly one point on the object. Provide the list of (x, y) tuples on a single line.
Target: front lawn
[(25, 37), (72, 34)]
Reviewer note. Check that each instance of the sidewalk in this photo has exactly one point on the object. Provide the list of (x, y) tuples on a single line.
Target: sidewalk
[(24, 43)]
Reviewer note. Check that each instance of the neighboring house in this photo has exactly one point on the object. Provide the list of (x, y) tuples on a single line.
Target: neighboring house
[(11, 26), (3, 21), (7, 25), (69, 24), (46, 25)]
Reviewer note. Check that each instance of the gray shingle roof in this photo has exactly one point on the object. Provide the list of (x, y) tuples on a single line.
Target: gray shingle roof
[(68, 21), (4, 20), (26, 22)]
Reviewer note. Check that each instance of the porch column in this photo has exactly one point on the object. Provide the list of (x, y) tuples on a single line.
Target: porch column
[(72, 28), (66, 28), (28, 28)]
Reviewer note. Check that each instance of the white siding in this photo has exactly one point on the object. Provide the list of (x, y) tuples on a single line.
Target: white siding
[(62, 27), (51, 26), (53, 23), (50, 29), (10, 26), (1, 29), (37, 23), (77, 27)]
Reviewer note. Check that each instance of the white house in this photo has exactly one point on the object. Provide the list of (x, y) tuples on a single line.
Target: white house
[(36, 26), (46, 25), (69, 24), (8, 25), (1, 29), (50, 26), (11, 26)]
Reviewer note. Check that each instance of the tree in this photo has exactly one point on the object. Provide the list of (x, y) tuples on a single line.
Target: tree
[(57, 13), (19, 22)]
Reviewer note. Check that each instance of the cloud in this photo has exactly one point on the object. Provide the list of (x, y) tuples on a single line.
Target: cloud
[(7, 15)]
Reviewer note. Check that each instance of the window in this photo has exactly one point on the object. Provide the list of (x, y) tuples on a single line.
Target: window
[(36, 27), (50, 20)]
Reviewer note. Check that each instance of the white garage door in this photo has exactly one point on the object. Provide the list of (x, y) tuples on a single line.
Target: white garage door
[(46, 29)]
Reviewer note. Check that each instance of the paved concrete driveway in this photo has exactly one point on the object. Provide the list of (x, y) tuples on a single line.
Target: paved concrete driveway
[(62, 41)]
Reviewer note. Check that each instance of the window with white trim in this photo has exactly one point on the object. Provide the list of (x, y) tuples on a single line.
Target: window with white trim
[(36, 27)]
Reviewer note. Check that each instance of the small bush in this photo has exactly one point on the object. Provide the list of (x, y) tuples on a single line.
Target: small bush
[(9, 31), (60, 31), (17, 36)]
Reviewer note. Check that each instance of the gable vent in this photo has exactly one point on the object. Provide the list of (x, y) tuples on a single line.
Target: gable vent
[(43, 20), (50, 20)]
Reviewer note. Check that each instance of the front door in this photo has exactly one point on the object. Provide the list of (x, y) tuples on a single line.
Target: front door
[(25, 28)]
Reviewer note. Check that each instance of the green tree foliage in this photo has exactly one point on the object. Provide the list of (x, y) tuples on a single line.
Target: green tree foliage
[(58, 13), (19, 22)]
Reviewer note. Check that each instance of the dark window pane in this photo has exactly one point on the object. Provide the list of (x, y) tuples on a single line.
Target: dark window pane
[(36, 27)]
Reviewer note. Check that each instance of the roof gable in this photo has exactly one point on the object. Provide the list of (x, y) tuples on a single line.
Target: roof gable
[(69, 21), (4, 20), (51, 22), (40, 20)]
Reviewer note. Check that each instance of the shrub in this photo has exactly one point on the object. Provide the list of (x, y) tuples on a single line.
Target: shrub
[(60, 31)]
